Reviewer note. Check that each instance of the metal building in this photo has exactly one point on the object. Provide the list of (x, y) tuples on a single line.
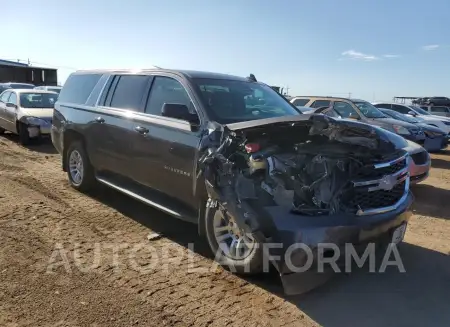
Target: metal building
[(11, 71)]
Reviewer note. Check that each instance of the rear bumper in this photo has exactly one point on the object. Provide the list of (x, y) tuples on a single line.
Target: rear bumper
[(418, 173)]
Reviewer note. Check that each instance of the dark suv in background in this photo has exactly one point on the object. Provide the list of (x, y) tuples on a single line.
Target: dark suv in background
[(432, 101), (235, 157)]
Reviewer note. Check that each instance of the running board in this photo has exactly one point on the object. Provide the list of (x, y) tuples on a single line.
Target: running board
[(180, 215)]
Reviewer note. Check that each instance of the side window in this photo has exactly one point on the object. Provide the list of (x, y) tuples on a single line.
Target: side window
[(400, 109), (78, 87), (383, 105), (320, 103), (129, 92), (13, 98), (300, 102), (5, 96), (166, 90), (345, 110)]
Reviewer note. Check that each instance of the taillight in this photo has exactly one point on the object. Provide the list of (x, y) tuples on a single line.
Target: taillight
[(252, 147)]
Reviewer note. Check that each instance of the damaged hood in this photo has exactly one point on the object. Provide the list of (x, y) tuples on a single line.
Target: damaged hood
[(325, 125)]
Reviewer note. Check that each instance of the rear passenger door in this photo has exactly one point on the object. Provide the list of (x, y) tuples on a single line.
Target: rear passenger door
[(165, 157), (114, 134)]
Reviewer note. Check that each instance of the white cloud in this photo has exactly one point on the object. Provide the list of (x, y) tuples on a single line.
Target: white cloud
[(391, 56), (430, 47), (352, 54)]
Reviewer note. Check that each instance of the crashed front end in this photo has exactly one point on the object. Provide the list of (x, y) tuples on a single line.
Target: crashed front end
[(307, 180)]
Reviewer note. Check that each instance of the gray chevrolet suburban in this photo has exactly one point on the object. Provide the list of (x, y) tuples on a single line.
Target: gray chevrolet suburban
[(235, 157)]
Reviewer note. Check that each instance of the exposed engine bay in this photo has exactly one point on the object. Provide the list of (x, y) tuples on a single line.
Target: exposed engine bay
[(312, 167)]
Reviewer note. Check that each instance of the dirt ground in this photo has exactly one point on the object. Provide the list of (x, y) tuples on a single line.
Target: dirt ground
[(43, 221)]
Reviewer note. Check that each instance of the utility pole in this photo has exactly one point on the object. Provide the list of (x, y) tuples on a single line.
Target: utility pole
[(349, 95), (287, 90)]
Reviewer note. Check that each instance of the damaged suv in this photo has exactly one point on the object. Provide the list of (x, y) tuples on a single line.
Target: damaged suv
[(235, 157)]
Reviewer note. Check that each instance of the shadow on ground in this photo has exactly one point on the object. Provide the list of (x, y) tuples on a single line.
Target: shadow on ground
[(43, 145), (419, 297), (440, 163), (437, 202)]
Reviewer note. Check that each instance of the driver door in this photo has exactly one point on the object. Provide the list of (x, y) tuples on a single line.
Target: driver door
[(11, 112), (3, 100)]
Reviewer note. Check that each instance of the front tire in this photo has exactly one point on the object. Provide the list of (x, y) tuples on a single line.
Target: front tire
[(233, 249), (79, 169), (24, 136), (2, 131)]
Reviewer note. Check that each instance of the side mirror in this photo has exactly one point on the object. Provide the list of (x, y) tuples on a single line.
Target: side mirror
[(11, 105), (179, 111), (412, 113)]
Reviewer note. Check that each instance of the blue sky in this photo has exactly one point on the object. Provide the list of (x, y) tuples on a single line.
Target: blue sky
[(372, 49)]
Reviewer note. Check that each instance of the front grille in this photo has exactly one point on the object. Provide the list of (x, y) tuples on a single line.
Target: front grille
[(420, 158), (378, 187), (363, 199), (370, 171)]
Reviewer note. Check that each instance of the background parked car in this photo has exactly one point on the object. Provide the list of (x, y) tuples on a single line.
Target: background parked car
[(365, 112), (424, 116), (50, 88), (433, 101), (436, 139), (27, 112), (420, 159), (437, 110)]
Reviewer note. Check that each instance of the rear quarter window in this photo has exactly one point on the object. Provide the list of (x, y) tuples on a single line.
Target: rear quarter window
[(300, 102), (320, 103), (78, 87)]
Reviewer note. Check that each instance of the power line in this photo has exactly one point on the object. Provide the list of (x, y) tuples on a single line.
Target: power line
[(27, 61)]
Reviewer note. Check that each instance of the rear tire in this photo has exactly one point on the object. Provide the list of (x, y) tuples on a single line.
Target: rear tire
[(79, 169), (251, 263), (24, 136)]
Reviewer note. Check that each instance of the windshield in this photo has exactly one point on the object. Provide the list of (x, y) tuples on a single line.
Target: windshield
[(38, 100), (420, 110), (231, 101), (368, 110), (399, 116)]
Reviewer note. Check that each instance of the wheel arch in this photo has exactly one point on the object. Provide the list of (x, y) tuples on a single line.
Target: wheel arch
[(69, 137)]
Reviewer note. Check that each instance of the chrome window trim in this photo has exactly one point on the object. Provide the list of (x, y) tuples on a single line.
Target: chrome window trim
[(133, 115)]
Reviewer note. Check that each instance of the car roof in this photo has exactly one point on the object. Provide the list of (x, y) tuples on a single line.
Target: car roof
[(18, 83), (32, 91), (185, 73), (325, 98), (399, 104)]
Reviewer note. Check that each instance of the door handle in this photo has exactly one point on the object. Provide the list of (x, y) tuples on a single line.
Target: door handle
[(141, 130), (99, 120)]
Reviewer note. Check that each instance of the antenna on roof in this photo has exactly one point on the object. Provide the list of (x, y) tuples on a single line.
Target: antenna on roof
[(252, 78), (157, 67)]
